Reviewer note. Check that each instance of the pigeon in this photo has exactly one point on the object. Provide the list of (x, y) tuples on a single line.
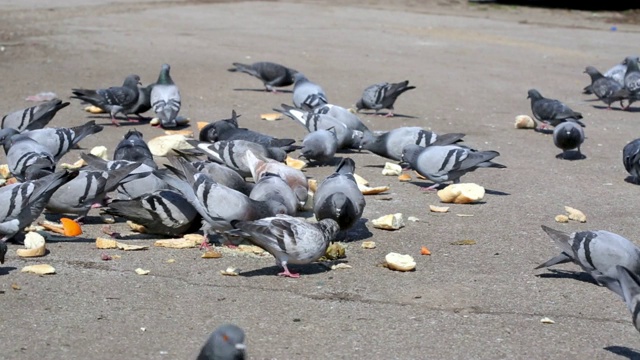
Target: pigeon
[(351, 120), (382, 96), (312, 122), (271, 74), (390, 144), (606, 89), (597, 253), (165, 98), (289, 239), (228, 129), (448, 162), (35, 117), (631, 159), (225, 343), (551, 112), (567, 136), (320, 146), (630, 287), (133, 148), (89, 190), (615, 73), (144, 101), (272, 188), (306, 94), (114, 100), (338, 196), (632, 80), (295, 178), (58, 140), (162, 212), (27, 159), (24, 202)]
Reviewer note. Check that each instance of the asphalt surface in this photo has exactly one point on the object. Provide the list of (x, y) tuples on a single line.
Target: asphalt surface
[(472, 66)]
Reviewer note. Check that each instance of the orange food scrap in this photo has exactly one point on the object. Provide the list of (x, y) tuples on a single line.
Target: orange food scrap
[(71, 228), (425, 251)]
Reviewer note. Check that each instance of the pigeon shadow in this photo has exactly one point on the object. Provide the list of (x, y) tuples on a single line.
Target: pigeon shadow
[(6, 270), (566, 274), (309, 269), (624, 351), (358, 231), (395, 115), (543, 131), (631, 109), (496, 192), (571, 155), (265, 91)]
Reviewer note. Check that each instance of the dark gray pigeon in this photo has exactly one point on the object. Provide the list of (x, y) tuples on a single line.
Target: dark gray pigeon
[(632, 80), (313, 121), (289, 239), (165, 98), (338, 196), (133, 148), (615, 73), (631, 159), (35, 117), (144, 101), (390, 144), (568, 136), (448, 162), (382, 96), (271, 74), (306, 94), (114, 100), (550, 111), (630, 286), (597, 253), (320, 146), (27, 159), (271, 188), (606, 89), (225, 343), (163, 212)]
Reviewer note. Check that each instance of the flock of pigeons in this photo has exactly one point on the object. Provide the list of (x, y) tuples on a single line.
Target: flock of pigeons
[(206, 187)]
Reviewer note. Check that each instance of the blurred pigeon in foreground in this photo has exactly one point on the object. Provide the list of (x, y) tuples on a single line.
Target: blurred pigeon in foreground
[(606, 89), (290, 240), (165, 98), (630, 286), (27, 159), (551, 111), (382, 96), (338, 196), (114, 100), (271, 74), (632, 80), (319, 146), (597, 253), (567, 136), (133, 148), (631, 159), (225, 343), (449, 162), (35, 117), (307, 95)]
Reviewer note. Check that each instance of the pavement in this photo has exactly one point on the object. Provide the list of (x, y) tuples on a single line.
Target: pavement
[(472, 66)]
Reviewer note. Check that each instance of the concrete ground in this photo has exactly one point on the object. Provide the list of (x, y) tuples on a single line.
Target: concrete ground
[(472, 66)]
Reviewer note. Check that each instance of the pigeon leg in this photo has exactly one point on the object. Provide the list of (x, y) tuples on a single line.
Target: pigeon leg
[(114, 121), (133, 120), (430, 188), (389, 114), (287, 273)]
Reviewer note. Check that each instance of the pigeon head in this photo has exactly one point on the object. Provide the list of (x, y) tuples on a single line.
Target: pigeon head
[(6, 134), (368, 140), (209, 133), (534, 94), (132, 81), (3, 251), (410, 152), (277, 153), (329, 227), (593, 73), (346, 166), (360, 105), (133, 133), (165, 78), (226, 342), (632, 63), (298, 76)]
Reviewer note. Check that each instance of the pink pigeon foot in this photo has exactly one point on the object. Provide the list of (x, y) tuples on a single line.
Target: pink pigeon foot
[(430, 188), (389, 114), (114, 121), (287, 273)]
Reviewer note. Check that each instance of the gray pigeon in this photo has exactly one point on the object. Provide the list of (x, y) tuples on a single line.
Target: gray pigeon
[(550, 111), (163, 212), (225, 343), (567, 136), (88, 190), (35, 117), (24, 202), (448, 162), (606, 89), (597, 253), (224, 175), (27, 159), (58, 140), (390, 144), (273, 189), (289, 239), (615, 73), (382, 96), (312, 122), (351, 120), (338, 197), (133, 148), (630, 286), (306, 94), (165, 98), (271, 74), (631, 159), (632, 80), (114, 100), (320, 146)]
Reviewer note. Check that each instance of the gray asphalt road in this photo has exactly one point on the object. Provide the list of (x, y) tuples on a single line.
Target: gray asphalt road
[(472, 66)]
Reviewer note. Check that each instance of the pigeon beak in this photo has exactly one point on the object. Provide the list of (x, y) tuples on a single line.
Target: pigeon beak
[(241, 346)]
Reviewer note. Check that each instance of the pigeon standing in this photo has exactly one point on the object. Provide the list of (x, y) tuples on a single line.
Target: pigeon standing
[(165, 98), (338, 196), (306, 94), (630, 287), (271, 74), (35, 117), (382, 96), (567, 136), (390, 144), (114, 100), (289, 239), (606, 89), (225, 343), (597, 253), (449, 162), (631, 159), (27, 159), (550, 111)]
